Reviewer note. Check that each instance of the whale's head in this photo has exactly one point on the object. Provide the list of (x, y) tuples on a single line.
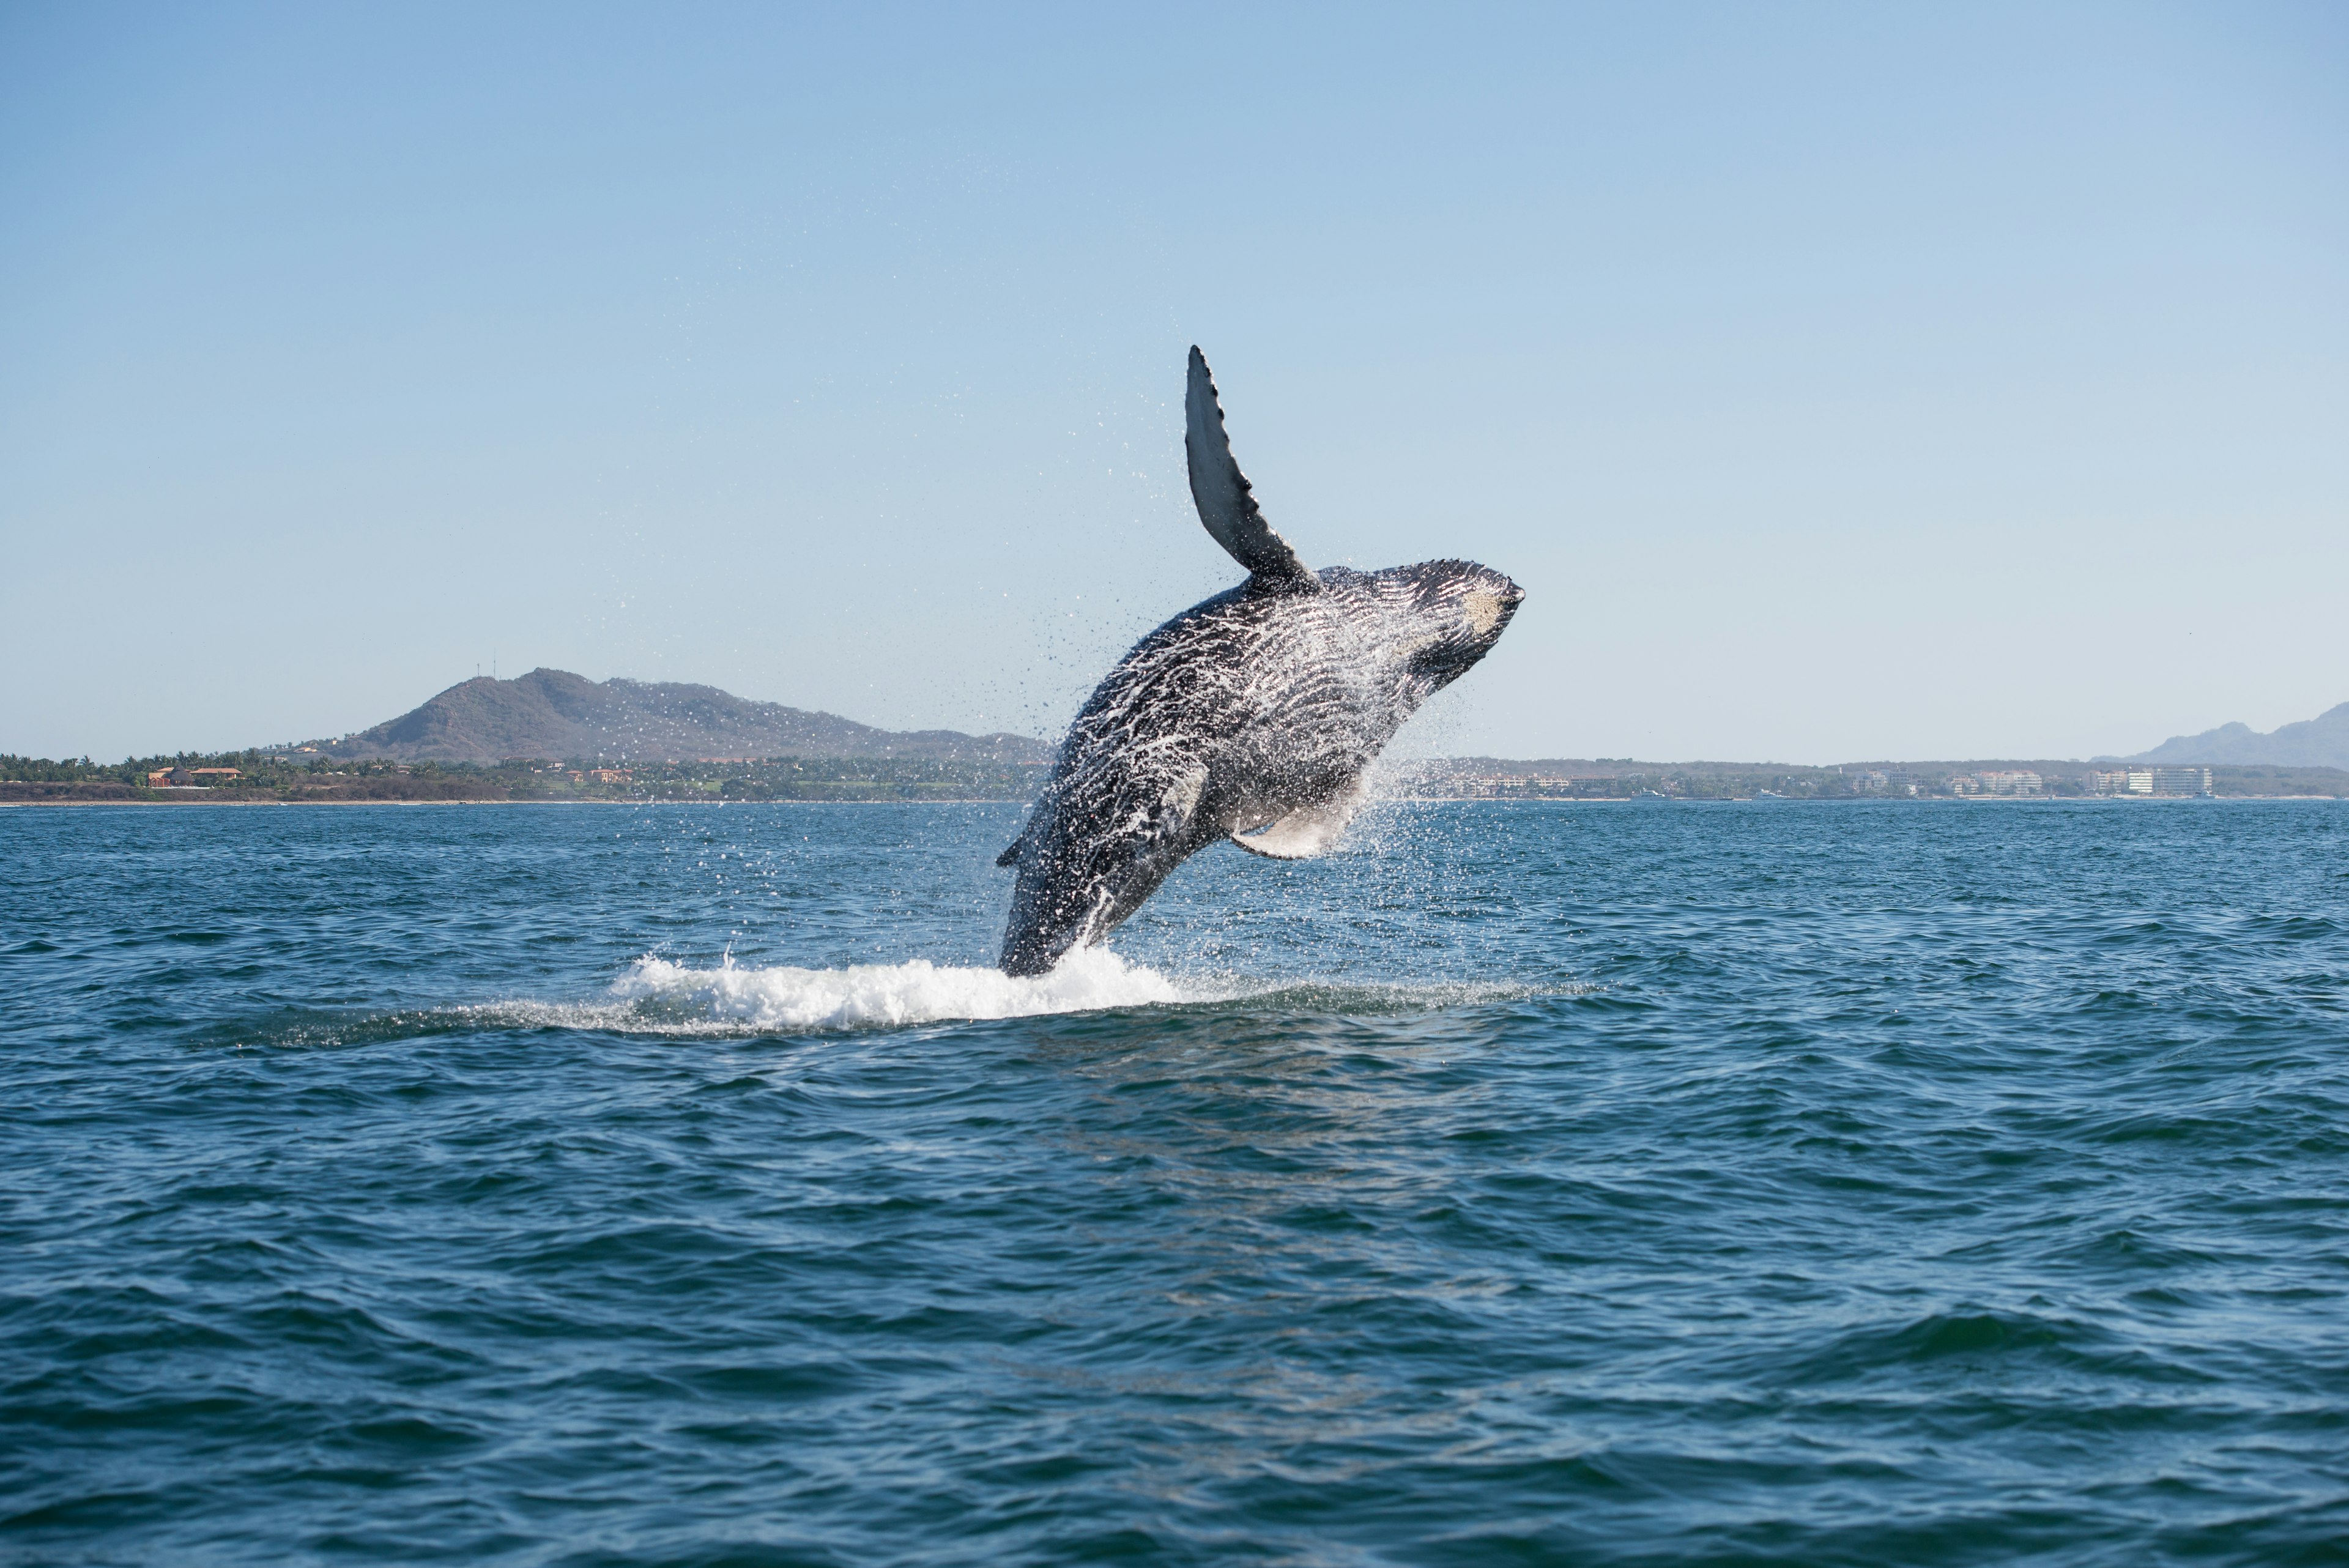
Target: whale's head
[(1447, 615)]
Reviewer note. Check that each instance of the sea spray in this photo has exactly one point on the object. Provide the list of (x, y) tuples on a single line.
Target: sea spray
[(886, 995)]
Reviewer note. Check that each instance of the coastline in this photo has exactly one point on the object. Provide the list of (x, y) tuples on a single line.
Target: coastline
[(183, 802)]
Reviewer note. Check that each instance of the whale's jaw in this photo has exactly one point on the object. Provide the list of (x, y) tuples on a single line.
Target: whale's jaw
[(1038, 951), (1069, 899)]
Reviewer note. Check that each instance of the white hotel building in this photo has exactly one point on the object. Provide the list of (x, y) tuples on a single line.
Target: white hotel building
[(2152, 781)]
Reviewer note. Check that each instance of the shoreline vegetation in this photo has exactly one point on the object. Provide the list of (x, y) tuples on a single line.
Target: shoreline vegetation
[(266, 778), (281, 778)]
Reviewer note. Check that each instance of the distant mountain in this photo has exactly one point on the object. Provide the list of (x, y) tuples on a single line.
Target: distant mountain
[(554, 714), (2322, 742)]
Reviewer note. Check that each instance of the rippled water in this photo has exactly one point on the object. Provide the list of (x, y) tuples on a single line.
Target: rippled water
[(1868, 1184)]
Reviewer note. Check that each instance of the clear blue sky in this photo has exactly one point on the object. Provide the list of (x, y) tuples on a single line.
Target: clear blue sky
[(1840, 382)]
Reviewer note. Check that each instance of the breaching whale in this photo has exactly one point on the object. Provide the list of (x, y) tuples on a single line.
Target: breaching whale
[(1256, 709)]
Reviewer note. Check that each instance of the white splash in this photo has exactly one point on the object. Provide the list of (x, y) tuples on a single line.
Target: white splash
[(864, 996)]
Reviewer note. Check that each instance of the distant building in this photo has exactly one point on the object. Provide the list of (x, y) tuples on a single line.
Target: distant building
[(2008, 781), (2151, 780), (1506, 786)]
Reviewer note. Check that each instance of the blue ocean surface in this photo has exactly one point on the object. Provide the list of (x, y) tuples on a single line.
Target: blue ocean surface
[(1779, 1183)]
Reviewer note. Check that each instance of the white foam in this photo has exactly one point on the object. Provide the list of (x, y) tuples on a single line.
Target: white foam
[(886, 995)]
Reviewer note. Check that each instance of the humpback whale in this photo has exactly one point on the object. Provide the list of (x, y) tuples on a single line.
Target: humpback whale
[(1250, 716)]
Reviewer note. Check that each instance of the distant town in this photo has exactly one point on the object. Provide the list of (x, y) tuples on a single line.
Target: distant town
[(1488, 778)]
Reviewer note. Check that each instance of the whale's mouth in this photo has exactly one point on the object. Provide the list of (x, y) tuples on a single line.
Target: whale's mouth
[(1475, 616), (1488, 608)]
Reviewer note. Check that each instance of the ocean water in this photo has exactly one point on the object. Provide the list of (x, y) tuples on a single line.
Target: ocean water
[(1541, 1183)]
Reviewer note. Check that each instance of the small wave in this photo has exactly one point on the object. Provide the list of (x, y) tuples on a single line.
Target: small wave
[(865, 996), (1371, 999), (658, 997)]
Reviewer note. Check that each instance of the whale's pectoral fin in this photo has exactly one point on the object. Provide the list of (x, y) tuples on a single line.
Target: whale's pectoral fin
[(1305, 833), (1011, 856), (1227, 505)]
